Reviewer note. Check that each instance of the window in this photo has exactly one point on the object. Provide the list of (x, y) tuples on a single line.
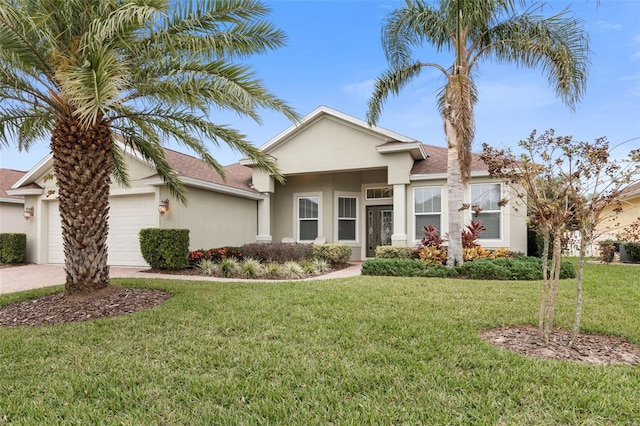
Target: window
[(347, 215), (308, 218), (427, 207), (485, 208), (376, 193)]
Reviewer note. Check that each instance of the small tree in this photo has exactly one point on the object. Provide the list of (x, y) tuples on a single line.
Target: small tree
[(601, 185), (538, 177), (565, 184)]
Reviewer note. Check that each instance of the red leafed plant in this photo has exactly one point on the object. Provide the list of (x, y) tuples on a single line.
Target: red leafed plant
[(471, 233), (431, 237)]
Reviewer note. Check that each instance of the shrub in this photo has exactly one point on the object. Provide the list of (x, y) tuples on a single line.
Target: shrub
[(278, 252), (519, 268), (393, 267), (334, 254), (499, 253), (633, 251), (13, 248), (485, 269), (433, 256), (308, 267), (251, 268), (292, 270), (607, 250), (321, 266), (273, 270), (229, 267), (431, 237), (165, 248), (405, 268), (394, 252), (471, 233), (207, 266)]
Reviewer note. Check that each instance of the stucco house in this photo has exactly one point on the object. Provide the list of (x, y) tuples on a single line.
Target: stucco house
[(346, 182), (11, 206), (616, 223)]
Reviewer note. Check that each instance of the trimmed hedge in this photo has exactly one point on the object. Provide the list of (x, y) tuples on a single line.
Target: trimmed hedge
[(520, 268), (13, 248), (165, 248), (405, 268), (277, 252), (394, 252), (334, 254), (517, 268)]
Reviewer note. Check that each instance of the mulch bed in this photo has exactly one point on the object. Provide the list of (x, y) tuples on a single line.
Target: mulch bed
[(61, 309), (588, 348)]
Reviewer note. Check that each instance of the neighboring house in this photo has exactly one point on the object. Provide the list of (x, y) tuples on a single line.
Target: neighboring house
[(616, 223), (346, 182), (11, 206)]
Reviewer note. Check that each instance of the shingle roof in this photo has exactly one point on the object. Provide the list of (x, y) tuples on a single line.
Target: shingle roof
[(631, 190), (237, 175), (436, 162), (7, 178)]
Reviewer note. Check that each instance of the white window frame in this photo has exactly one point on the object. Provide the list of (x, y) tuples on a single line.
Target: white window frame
[(498, 211), (416, 214), (296, 213), (387, 188), (339, 195)]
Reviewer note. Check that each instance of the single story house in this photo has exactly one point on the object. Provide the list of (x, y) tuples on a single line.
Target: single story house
[(346, 182), (615, 223), (11, 206)]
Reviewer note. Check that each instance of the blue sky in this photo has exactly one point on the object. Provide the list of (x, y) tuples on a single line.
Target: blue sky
[(333, 55)]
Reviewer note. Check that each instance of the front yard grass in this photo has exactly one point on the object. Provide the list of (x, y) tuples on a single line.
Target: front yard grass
[(364, 350)]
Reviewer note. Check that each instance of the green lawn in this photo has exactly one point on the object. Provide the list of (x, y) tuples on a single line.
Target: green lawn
[(357, 351)]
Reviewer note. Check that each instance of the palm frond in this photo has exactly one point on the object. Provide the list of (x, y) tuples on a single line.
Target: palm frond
[(391, 82)]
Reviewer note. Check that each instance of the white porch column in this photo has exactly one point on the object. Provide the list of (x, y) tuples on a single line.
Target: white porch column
[(264, 219), (399, 237)]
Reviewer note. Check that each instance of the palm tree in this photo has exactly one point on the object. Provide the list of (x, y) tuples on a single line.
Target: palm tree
[(474, 31), (83, 72)]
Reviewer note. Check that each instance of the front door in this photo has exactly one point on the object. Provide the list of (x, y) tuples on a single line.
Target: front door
[(379, 227)]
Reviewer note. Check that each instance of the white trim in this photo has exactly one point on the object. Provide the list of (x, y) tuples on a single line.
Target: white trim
[(432, 176), (500, 213), (345, 194), (11, 200), (414, 214), (35, 171), (296, 214), (215, 187), (26, 191), (415, 148), (131, 191)]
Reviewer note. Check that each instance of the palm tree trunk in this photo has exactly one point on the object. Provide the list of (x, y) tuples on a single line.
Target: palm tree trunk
[(455, 191), (83, 162)]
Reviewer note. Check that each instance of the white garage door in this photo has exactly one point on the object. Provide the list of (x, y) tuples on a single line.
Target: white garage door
[(127, 215)]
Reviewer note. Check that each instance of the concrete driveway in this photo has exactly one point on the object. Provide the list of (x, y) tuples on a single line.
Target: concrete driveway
[(27, 277)]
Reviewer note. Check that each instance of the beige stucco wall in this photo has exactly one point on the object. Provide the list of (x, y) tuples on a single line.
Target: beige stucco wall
[(214, 219), (11, 218), (614, 223), (330, 144)]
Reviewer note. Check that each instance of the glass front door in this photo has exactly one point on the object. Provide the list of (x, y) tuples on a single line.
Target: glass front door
[(379, 227)]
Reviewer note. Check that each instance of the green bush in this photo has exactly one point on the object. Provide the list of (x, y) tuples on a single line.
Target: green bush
[(278, 252), (519, 268), (405, 268), (393, 267), (633, 251), (394, 252), (13, 248), (334, 254), (607, 250), (485, 269), (165, 248)]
